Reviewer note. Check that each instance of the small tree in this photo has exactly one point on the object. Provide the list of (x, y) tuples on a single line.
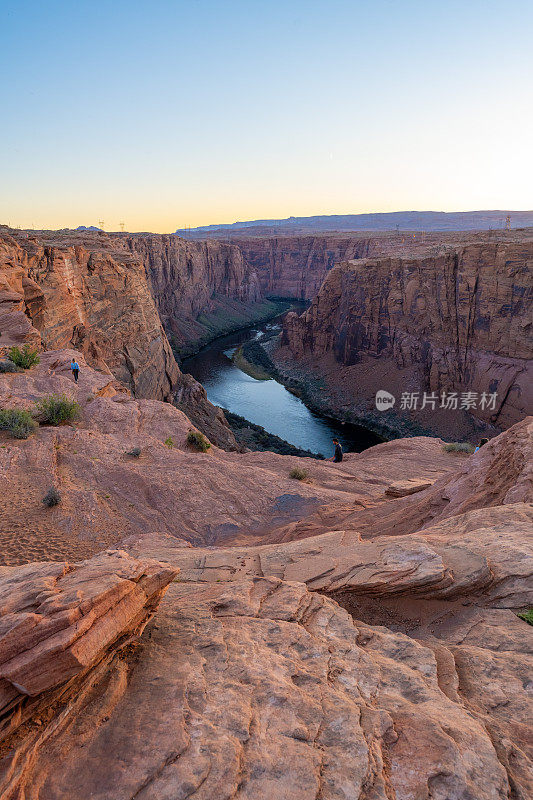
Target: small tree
[(24, 357)]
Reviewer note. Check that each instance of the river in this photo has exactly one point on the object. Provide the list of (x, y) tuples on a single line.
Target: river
[(268, 403)]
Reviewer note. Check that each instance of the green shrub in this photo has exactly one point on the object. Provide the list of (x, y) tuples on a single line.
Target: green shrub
[(298, 474), (527, 616), (135, 453), (169, 441), (24, 357), (56, 408), (459, 447), (19, 423), (9, 366), (52, 497), (198, 441)]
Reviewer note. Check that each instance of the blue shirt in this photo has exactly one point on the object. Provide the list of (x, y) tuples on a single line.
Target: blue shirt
[(74, 365)]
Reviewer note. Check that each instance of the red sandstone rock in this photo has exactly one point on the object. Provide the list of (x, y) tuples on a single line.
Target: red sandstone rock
[(247, 683), (486, 554), (403, 488), (260, 689), (81, 292), (206, 498), (189, 279), (59, 620), (460, 320), (92, 292)]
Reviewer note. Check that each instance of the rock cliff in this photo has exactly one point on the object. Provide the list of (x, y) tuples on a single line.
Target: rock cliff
[(295, 266), (455, 321), (371, 650), (81, 290), (201, 289), (94, 292)]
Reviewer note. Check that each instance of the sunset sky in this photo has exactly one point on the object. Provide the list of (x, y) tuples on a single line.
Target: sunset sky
[(167, 114)]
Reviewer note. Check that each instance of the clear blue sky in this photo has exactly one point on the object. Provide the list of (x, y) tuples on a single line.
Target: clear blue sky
[(165, 114)]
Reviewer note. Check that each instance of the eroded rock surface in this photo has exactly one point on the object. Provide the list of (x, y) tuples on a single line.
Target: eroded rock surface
[(59, 621), (264, 690), (102, 295), (207, 498), (370, 651), (81, 292), (454, 320)]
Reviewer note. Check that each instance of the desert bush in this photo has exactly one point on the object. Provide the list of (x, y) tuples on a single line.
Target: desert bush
[(527, 616), (52, 497), (459, 447), (9, 366), (169, 441), (24, 357), (298, 474), (134, 453), (56, 408), (198, 441), (19, 423)]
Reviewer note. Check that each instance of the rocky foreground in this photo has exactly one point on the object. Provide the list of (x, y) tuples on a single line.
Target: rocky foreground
[(358, 639)]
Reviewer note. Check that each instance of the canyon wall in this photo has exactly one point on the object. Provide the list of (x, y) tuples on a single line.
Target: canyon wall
[(296, 266), (200, 288), (59, 290), (460, 320), (111, 295), (93, 292)]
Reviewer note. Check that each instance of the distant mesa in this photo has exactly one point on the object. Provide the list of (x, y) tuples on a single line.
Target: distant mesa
[(403, 220), (88, 228)]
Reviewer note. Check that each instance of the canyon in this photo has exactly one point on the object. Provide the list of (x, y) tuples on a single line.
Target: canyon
[(412, 312), (203, 624)]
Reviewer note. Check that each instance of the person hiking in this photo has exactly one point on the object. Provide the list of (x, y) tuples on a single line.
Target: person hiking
[(75, 367), (338, 452), (482, 442)]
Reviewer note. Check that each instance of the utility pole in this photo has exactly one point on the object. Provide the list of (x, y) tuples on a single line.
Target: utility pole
[(101, 224), (121, 225), (508, 222)]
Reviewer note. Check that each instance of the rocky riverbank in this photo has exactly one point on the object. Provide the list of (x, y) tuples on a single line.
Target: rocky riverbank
[(255, 437), (227, 316), (312, 390)]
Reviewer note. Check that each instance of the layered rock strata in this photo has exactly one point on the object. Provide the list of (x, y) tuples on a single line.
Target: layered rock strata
[(61, 626), (460, 321), (91, 291), (201, 289)]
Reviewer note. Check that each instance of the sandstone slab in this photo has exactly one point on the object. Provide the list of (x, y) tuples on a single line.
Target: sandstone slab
[(266, 691)]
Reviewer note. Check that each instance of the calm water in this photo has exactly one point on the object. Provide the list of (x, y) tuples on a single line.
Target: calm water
[(268, 403)]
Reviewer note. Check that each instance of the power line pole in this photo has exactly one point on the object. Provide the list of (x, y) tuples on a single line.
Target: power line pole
[(121, 224), (101, 224), (508, 222)]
